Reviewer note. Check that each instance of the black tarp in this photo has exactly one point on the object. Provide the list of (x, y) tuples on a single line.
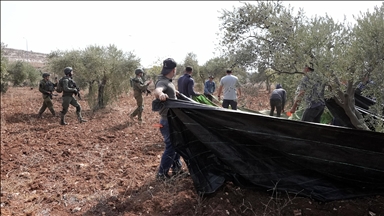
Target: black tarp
[(252, 150), (362, 105)]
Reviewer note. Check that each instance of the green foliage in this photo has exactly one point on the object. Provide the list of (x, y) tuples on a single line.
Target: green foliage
[(191, 60), (17, 72), (4, 72), (153, 72), (23, 73), (268, 35), (33, 75), (105, 71)]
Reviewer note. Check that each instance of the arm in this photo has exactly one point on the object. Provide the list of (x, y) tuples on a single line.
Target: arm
[(66, 88), (206, 88), (220, 90), (159, 94), (297, 102), (191, 90), (142, 87), (42, 87)]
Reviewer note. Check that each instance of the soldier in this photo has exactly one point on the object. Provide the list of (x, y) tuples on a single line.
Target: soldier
[(138, 88), (46, 87), (69, 89)]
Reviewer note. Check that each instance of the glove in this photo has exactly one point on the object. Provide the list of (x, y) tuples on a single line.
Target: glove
[(75, 91)]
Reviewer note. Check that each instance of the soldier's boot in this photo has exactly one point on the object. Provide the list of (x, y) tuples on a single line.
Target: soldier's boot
[(80, 118), (62, 119), (139, 117), (53, 112), (40, 115)]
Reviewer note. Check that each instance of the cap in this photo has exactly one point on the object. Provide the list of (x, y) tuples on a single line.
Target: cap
[(168, 65), (210, 76)]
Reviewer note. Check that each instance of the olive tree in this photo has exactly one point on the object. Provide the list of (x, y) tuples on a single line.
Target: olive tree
[(105, 71), (268, 35), (4, 72)]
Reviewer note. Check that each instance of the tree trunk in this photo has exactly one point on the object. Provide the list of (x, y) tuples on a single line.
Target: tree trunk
[(348, 104), (100, 96)]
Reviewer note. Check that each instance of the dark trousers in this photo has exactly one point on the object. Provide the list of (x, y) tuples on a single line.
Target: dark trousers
[(313, 114), (275, 103), (170, 158), (233, 104), (208, 96)]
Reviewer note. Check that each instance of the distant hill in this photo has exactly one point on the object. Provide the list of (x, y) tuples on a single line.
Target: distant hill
[(38, 60)]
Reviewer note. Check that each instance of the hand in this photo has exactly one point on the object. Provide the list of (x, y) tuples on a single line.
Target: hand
[(163, 96), (292, 111), (75, 91)]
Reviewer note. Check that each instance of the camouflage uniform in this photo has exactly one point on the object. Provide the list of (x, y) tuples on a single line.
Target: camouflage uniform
[(46, 87), (138, 88), (69, 89)]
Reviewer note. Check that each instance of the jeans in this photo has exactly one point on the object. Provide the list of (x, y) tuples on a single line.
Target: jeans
[(170, 158), (313, 114), (233, 104)]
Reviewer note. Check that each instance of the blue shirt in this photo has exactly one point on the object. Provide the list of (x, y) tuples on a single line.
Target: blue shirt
[(209, 87)]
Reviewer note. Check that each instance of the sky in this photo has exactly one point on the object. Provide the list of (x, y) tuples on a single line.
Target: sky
[(152, 30)]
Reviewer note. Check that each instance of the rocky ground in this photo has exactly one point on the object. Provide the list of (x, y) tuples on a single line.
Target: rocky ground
[(107, 165)]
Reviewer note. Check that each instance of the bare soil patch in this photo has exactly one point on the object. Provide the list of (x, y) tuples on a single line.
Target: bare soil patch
[(107, 165)]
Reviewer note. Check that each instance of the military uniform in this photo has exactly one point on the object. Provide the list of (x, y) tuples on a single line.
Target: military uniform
[(69, 89), (46, 87), (138, 88)]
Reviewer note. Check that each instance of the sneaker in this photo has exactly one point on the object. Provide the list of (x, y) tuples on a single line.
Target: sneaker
[(131, 117), (82, 120), (162, 177)]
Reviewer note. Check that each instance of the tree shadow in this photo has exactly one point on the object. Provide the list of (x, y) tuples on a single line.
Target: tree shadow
[(121, 126), (21, 118)]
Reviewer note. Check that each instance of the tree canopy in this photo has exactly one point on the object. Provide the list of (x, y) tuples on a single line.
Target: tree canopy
[(267, 35)]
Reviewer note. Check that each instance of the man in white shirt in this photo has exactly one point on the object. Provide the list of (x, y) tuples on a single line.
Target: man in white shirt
[(232, 90)]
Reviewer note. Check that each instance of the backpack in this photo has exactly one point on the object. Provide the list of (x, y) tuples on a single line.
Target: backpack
[(60, 87)]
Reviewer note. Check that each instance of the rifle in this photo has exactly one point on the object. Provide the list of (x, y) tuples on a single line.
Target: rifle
[(144, 79), (78, 92)]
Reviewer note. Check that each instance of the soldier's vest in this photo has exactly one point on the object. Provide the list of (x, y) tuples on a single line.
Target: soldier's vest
[(71, 84), (47, 85), (134, 82)]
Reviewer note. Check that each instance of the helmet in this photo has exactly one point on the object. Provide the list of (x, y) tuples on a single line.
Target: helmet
[(46, 75), (67, 70), (138, 71)]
